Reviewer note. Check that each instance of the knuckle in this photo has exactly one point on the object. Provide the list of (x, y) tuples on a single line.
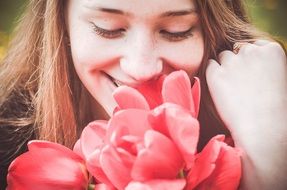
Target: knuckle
[(247, 48), (212, 70), (274, 48), (277, 47), (209, 68), (225, 56), (262, 42)]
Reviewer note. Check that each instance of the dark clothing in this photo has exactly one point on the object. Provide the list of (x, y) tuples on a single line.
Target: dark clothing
[(13, 142), (13, 139)]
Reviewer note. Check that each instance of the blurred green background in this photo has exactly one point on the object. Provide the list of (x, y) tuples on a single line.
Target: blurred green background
[(268, 15)]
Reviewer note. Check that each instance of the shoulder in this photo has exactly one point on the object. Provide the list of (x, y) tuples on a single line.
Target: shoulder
[(13, 142), (16, 128), (14, 133)]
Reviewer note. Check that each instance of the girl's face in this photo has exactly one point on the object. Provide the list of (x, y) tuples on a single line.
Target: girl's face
[(115, 42)]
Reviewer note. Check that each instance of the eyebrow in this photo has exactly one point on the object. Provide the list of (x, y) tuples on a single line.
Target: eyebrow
[(175, 13)]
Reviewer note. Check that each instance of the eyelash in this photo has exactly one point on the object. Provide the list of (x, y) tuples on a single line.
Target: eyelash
[(107, 33), (178, 36), (111, 34)]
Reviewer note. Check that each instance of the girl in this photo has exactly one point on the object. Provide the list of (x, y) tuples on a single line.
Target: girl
[(67, 57)]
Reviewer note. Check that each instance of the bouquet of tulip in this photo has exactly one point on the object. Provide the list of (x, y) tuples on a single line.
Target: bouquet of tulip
[(150, 143)]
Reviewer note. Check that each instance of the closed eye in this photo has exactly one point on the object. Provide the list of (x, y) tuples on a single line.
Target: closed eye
[(170, 36), (108, 33), (177, 36)]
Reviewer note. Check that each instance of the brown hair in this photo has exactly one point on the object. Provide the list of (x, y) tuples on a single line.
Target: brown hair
[(42, 90)]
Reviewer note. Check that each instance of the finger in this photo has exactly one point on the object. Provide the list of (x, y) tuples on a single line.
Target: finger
[(246, 48), (212, 68), (237, 46), (213, 65), (261, 42), (224, 57)]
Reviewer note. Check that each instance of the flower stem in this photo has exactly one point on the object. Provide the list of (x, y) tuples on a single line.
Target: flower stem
[(91, 187), (181, 174)]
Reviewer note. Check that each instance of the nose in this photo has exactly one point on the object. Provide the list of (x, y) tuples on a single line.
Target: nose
[(141, 70), (141, 61)]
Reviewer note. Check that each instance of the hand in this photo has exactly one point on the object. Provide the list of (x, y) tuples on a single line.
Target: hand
[(249, 90)]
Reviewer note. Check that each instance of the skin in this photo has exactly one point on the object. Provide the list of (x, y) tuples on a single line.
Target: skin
[(249, 88), (140, 53)]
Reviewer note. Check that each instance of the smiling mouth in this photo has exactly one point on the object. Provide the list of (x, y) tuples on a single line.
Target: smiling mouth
[(116, 82)]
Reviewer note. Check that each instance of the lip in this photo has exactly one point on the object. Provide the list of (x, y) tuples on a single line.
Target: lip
[(119, 83), (116, 82)]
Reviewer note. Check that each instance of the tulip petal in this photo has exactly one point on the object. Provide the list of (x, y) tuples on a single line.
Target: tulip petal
[(127, 97), (113, 166), (151, 90), (94, 167), (184, 131), (218, 165), (77, 149), (157, 118), (127, 158), (39, 168), (152, 162), (132, 121), (177, 124), (195, 90), (92, 137), (227, 172), (177, 89), (158, 184), (45, 146), (103, 186)]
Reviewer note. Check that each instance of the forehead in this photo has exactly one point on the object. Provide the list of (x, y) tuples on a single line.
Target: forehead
[(144, 8)]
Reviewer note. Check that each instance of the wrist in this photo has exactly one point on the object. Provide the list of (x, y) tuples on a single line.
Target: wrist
[(263, 174), (264, 155)]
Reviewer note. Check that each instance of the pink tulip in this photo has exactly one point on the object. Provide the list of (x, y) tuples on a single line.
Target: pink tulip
[(134, 144), (178, 125), (217, 166), (174, 88), (89, 146), (102, 186), (47, 166), (151, 141), (136, 152)]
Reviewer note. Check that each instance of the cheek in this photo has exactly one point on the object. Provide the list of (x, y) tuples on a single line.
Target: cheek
[(191, 58), (188, 59), (89, 51), (187, 56), (90, 55)]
